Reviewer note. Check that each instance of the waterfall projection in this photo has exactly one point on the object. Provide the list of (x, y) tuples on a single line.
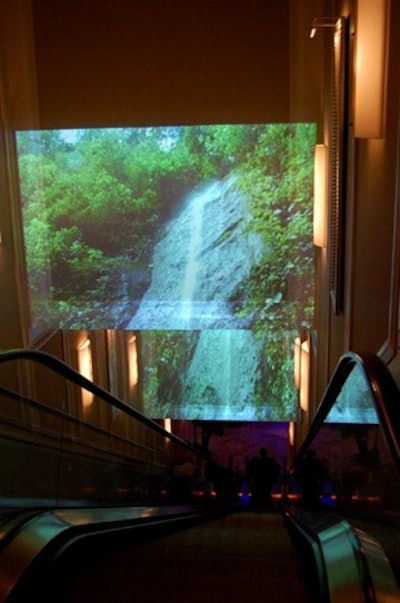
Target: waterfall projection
[(196, 237), (200, 263)]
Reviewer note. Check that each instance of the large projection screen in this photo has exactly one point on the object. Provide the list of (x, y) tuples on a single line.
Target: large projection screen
[(197, 237)]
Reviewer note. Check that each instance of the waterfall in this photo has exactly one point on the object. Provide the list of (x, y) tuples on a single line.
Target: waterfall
[(221, 380), (227, 377), (191, 271), (192, 263), (203, 258)]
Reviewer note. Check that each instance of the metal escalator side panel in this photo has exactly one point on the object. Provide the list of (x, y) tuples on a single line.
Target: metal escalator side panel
[(381, 575), (342, 569), (56, 529), (27, 544)]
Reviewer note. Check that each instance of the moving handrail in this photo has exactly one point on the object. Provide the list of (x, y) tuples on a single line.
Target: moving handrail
[(63, 369), (32, 536)]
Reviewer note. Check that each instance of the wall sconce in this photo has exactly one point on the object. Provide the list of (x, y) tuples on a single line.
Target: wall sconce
[(331, 22), (291, 433), (305, 376), (320, 196), (86, 369), (302, 368), (168, 425), (370, 68), (132, 362), (297, 356)]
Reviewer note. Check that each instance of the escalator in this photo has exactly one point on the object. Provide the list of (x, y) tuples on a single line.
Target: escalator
[(354, 521), (246, 555), (77, 462), (344, 547)]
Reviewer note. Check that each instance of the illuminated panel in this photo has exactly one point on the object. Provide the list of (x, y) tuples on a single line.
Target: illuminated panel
[(204, 230), (370, 70), (133, 363), (86, 369)]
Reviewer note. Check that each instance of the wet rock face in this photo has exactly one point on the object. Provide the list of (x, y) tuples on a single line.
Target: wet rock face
[(204, 258), (221, 380)]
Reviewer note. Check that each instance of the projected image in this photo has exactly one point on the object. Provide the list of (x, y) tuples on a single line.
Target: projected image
[(355, 403), (173, 229), (210, 375)]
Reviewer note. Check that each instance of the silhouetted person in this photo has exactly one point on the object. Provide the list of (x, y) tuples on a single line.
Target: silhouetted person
[(309, 475), (264, 472)]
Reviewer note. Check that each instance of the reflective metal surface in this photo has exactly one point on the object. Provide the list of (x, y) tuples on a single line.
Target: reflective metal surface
[(67, 525)]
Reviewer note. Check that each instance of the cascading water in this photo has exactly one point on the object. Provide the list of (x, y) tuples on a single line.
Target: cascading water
[(191, 270), (203, 258), (221, 381)]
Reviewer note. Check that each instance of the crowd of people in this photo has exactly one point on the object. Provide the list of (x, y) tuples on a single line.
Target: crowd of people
[(264, 472)]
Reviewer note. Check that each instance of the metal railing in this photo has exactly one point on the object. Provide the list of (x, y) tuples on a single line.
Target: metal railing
[(55, 451)]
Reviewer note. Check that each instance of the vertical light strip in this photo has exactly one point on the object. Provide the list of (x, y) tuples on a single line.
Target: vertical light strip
[(320, 197), (133, 363), (86, 369), (297, 354), (305, 376), (370, 68), (291, 433)]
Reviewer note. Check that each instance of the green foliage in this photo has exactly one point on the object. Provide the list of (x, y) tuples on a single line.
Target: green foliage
[(94, 201), (171, 352), (277, 181), (93, 207)]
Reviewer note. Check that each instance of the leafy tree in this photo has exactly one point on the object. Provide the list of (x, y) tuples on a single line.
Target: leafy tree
[(168, 354), (280, 291)]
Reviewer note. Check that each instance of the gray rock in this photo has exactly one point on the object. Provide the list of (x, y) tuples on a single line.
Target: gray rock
[(200, 263)]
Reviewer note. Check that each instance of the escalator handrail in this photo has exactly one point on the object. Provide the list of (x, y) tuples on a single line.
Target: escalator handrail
[(65, 370), (60, 414), (385, 394)]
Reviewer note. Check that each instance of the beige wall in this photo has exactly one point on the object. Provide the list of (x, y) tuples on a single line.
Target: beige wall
[(123, 62), (378, 177), (368, 321), (375, 174)]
